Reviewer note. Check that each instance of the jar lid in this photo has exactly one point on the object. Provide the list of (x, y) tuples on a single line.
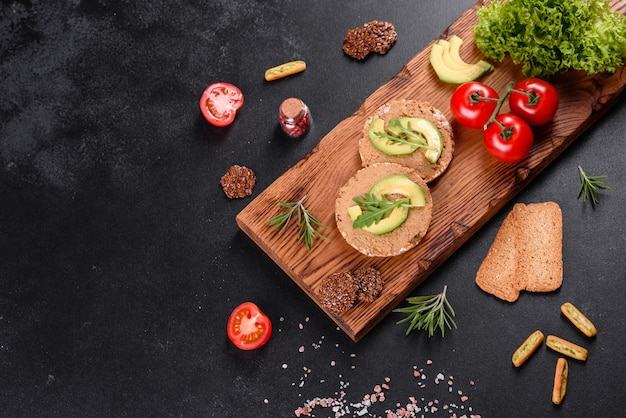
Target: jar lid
[(291, 107)]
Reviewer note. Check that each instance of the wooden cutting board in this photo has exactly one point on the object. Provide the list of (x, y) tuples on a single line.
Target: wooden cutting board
[(471, 191)]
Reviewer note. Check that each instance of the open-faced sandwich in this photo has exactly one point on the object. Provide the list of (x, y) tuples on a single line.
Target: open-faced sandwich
[(384, 209), (410, 133)]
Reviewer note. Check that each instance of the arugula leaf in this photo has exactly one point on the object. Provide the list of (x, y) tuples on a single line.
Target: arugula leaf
[(406, 135), (373, 209), (550, 36)]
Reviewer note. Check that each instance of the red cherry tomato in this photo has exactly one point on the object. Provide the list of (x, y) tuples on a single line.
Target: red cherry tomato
[(534, 100), (509, 138), (473, 103), (220, 102), (248, 328)]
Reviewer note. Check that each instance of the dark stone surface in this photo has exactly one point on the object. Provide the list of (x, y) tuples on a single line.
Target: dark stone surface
[(120, 259)]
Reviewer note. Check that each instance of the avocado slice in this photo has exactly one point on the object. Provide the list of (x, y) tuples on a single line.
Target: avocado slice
[(451, 56), (454, 75), (428, 130), (400, 184), (389, 147), (455, 49), (385, 225), (394, 184), (420, 126)]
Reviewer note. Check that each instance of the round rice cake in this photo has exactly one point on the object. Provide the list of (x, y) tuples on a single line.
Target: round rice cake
[(399, 240), (416, 160)]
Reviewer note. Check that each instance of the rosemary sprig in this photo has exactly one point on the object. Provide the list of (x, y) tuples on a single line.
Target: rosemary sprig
[(419, 141), (589, 185), (428, 313), (307, 223), (374, 209)]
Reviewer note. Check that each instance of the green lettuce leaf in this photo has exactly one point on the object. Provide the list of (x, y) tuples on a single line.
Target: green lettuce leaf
[(551, 36)]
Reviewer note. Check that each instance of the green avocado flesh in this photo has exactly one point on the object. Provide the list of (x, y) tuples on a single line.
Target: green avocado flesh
[(395, 184), (420, 126), (456, 75)]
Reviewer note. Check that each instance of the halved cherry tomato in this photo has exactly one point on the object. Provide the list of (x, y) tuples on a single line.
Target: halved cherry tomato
[(220, 102), (248, 328), (534, 100), (509, 138), (473, 103)]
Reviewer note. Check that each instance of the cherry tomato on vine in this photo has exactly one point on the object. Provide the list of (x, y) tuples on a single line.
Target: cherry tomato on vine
[(220, 102), (248, 328), (534, 100), (509, 138), (473, 103)]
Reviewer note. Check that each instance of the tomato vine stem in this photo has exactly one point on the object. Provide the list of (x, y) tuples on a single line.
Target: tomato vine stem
[(496, 111)]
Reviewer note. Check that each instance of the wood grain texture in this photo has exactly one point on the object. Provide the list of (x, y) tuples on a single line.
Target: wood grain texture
[(470, 192)]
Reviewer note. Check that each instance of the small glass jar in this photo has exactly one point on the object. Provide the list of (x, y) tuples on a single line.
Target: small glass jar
[(294, 117)]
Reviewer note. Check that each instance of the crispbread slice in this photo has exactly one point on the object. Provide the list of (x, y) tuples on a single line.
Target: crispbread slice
[(539, 246), (526, 253), (496, 274), (417, 161), (401, 239)]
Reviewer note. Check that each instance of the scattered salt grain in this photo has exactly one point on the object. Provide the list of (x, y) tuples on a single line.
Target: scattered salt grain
[(339, 405)]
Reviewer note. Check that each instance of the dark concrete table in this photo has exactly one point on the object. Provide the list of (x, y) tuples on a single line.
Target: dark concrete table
[(120, 258)]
